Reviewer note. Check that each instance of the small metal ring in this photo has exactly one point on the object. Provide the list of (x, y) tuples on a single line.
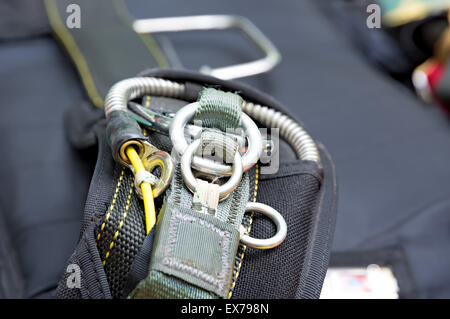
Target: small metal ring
[(137, 144), (276, 217), (163, 160), (191, 182), (186, 113)]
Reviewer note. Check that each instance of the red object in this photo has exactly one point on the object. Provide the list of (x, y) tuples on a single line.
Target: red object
[(434, 72)]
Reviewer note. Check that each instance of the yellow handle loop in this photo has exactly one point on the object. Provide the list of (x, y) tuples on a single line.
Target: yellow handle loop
[(147, 195)]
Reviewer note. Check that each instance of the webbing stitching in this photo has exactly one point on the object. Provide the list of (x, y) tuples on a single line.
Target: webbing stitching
[(233, 212), (91, 259), (171, 261), (244, 247), (122, 221), (323, 254), (102, 227)]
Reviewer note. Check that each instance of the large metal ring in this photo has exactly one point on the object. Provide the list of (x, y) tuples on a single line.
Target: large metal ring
[(185, 114), (276, 217), (191, 182)]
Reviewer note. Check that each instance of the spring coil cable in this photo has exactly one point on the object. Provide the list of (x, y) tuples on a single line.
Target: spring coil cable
[(302, 143), (123, 91)]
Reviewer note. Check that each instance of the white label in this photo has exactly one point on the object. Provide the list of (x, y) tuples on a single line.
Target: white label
[(372, 282)]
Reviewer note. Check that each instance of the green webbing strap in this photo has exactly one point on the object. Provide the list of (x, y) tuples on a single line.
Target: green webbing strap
[(193, 253), (219, 109)]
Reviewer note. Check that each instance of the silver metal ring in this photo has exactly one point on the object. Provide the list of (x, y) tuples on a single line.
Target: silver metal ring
[(185, 114), (191, 182), (275, 217)]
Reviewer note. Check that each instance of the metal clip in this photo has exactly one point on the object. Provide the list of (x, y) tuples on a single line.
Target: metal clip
[(152, 158), (218, 22)]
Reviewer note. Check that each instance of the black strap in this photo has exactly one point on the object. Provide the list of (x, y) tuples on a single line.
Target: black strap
[(105, 49)]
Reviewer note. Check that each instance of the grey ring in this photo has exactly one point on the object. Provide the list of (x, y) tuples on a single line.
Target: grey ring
[(276, 217), (191, 182), (250, 158)]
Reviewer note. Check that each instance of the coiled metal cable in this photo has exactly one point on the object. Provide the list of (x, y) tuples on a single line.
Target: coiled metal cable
[(302, 143), (123, 91)]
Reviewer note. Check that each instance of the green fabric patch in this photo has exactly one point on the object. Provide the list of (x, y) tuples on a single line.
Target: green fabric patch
[(201, 237), (196, 248)]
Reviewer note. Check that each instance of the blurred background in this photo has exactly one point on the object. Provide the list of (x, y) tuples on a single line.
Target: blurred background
[(369, 79)]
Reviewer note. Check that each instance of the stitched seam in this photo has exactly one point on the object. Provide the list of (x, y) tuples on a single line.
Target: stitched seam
[(91, 258), (233, 211), (244, 247), (116, 234), (176, 188), (97, 180), (323, 254), (102, 227), (170, 261)]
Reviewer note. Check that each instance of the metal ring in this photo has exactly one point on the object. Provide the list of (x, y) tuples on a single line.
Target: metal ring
[(275, 217), (191, 182), (185, 114), (163, 160)]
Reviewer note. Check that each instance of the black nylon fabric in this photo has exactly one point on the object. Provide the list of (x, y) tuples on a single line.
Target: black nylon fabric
[(120, 236), (86, 254), (275, 273), (94, 283), (320, 240), (109, 243), (139, 267)]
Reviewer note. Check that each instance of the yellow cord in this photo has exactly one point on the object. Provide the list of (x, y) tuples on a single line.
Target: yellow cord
[(149, 204)]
